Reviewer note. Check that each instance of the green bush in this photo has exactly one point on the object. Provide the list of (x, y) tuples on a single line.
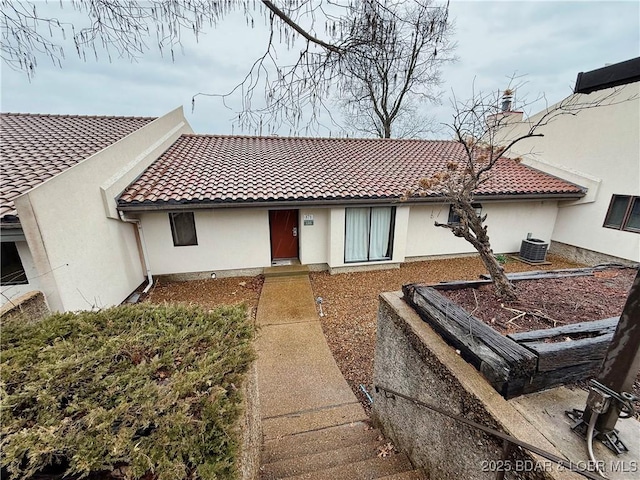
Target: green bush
[(502, 259), (152, 389)]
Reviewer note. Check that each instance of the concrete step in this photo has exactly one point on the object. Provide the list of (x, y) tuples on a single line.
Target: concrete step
[(330, 438), (376, 467), (320, 461), (409, 475), (285, 271), (282, 426)]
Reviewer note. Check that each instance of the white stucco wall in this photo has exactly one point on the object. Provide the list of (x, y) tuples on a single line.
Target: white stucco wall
[(603, 144), (84, 258), (228, 239), (238, 238), (313, 240), (10, 292), (508, 224)]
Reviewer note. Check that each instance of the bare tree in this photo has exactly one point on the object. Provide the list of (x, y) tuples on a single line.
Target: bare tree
[(380, 59), (488, 131), (394, 66), (328, 35), (117, 27)]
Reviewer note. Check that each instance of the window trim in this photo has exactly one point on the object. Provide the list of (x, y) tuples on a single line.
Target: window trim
[(392, 228), (624, 223), (174, 236)]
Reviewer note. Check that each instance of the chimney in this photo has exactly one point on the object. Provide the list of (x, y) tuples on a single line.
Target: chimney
[(507, 98)]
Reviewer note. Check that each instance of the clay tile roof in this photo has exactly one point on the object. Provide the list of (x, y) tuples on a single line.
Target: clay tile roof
[(227, 169), (35, 147), (224, 169)]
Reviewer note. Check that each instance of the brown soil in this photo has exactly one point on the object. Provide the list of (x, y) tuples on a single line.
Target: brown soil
[(550, 302), (209, 293), (350, 304)]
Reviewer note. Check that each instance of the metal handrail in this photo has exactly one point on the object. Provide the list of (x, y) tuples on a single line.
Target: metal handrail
[(569, 465)]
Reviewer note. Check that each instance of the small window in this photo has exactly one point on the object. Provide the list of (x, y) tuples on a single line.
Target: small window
[(454, 218), (623, 213), (12, 270), (183, 229)]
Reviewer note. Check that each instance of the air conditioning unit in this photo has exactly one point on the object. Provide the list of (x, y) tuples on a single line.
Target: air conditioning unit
[(533, 250)]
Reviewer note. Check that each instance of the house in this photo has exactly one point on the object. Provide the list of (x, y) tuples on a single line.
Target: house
[(91, 207), (599, 148), (230, 205), (61, 232)]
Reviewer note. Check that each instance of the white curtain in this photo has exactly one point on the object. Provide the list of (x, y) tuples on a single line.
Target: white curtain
[(380, 229), (356, 237)]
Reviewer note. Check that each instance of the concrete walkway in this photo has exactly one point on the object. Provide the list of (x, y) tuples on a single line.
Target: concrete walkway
[(300, 385), (313, 426)]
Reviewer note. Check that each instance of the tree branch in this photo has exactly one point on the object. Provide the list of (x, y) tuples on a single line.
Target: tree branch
[(285, 18)]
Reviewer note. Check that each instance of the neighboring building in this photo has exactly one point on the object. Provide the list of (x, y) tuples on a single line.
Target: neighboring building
[(61, 232), (598, 148)]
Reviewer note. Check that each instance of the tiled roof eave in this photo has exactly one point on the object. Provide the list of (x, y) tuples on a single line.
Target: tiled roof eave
[(133, 206)]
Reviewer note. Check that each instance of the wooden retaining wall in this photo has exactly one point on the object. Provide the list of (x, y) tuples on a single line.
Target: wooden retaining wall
[(522, 362)]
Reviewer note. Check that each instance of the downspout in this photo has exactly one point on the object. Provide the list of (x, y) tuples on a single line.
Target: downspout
[(143, 244)]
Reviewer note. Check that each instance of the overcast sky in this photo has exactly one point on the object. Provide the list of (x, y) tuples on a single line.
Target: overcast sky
[(548, 42)]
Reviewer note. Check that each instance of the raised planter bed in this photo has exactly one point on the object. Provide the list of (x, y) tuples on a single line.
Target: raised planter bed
[(516, 363)]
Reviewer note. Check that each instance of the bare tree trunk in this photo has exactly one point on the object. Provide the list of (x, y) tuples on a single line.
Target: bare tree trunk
[(471, 229), (504, 288), (387, 129)]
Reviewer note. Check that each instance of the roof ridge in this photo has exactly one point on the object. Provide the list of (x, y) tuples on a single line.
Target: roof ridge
[(278, 137), (66, 115)]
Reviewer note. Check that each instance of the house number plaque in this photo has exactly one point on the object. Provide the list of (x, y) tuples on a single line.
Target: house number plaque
[(307, 219)]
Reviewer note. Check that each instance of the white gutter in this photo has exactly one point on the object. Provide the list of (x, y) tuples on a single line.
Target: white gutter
[(145, 255)]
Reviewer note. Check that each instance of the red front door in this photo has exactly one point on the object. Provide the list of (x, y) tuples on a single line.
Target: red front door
[(284, 233)]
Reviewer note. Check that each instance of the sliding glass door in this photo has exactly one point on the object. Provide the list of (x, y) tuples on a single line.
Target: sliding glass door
[(368, 234)]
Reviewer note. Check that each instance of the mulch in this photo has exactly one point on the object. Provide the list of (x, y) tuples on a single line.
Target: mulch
[(550, 302), (209, 293)]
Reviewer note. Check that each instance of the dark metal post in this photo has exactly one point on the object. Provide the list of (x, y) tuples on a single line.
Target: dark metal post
[(622, 361)]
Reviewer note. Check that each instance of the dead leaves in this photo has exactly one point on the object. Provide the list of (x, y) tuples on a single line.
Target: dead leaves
[(386, 450)]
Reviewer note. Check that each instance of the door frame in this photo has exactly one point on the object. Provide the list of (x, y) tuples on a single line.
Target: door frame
[(297, 218)]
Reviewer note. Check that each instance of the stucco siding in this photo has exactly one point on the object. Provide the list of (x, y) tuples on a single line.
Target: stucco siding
[(581, 226), (314, 238), (228, 239), (508, 224), (603, 144), (90, 260), (238, 238)]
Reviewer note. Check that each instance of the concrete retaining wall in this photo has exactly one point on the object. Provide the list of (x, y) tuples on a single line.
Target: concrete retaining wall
[(251, 428), (583, 255), (412, 359)]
